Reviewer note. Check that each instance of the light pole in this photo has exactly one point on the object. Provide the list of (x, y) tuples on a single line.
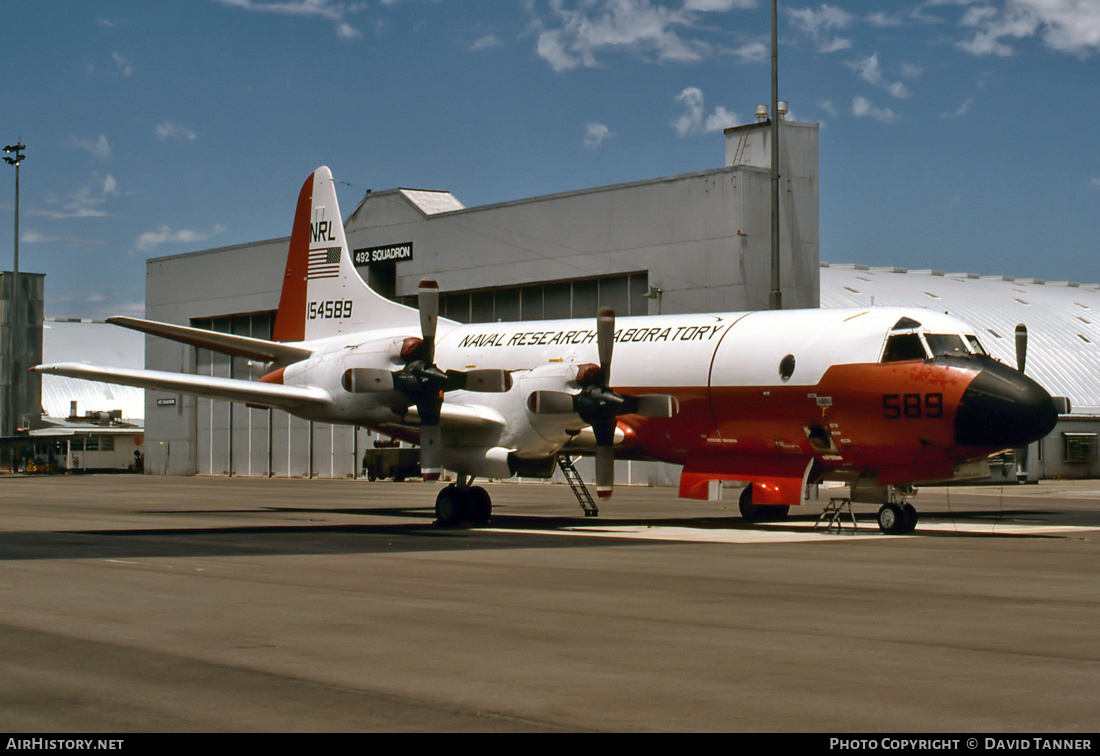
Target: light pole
[(13, 320), (775, 295)]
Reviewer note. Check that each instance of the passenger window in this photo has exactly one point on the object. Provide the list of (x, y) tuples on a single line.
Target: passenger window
[(904, 346)]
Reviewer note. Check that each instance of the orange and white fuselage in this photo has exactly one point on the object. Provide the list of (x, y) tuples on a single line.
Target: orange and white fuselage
[(888, 396)]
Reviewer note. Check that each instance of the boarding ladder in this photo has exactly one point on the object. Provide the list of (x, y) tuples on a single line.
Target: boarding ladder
[(573, 478)]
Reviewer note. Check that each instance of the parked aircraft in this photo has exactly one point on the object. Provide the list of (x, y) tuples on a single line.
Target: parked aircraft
[(879, 398)]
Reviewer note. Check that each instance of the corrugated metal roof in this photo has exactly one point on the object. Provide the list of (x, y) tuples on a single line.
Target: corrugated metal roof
[(93, 343), (1062, 318), (431, 203)]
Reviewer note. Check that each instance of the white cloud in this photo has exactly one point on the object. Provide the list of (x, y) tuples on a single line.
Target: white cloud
[(717, 5), (752, 52), (168, 130), (883, 20), (86, 202), (574, 33), (822, 24), (486, 42), (1094, 182), (870, 72), (961, 110), (825, 18), (99, 148), (595, 134), (720, 120), (862, 108), (150, 240), (1065, 26), (36, 237), (910, 71), (694, 122), (346, 31), (692, 119), (327, 10), (834, 45), (123, 66)]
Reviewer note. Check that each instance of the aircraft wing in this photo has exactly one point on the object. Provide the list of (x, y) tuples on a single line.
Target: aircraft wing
[(470, 426), (290, 398), (226, 343)]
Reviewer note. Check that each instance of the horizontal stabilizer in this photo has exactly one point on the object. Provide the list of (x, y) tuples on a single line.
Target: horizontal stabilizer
[(230, 389), (226, 343)]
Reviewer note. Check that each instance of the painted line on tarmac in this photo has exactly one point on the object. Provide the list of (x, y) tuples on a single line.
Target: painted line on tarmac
[(696, 535), (797, 532), (1010, 528)]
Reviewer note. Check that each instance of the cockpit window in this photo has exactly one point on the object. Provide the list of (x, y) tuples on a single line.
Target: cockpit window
[(975, 345), (947, 344), (904, 346)]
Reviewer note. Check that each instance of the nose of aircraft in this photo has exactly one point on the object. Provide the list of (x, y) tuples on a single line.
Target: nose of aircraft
[(1002, 408)]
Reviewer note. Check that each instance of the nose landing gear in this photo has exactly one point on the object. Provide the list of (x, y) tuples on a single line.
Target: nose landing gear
[(897, 518)]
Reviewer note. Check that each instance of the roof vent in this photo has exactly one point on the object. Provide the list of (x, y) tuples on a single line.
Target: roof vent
[(761, 113)]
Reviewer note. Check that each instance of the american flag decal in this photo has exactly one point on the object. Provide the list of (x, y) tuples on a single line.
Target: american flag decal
[(324, 263)]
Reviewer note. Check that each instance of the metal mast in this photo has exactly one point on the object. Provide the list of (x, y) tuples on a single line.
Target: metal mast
[(10, 419), (775, 296)]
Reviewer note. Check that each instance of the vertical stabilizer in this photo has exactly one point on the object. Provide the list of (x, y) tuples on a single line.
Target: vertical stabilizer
[(323, 295)]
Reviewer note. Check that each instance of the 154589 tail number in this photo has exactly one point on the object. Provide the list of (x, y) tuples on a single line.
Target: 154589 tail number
[(330, 310), (912, 406)]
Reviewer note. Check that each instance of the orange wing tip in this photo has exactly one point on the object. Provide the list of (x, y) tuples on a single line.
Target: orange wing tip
[(430, 475), (604, 493)]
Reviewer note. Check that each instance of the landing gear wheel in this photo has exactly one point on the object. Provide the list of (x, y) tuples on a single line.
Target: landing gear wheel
[(450, 505), (759, 512), (894, 520), (458, 504), (910, 513), (479, 506)]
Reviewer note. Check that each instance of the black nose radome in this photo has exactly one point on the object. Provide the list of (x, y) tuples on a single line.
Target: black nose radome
[(1002, 408)]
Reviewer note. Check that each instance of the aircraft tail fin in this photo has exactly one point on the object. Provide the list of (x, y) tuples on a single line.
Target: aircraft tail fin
[(323, 294)]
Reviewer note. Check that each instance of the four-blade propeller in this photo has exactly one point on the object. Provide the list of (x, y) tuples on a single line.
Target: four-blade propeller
[(599, 406), (421, 383)]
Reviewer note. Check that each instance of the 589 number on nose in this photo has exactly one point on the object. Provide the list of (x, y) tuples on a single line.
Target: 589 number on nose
[(912, 406)]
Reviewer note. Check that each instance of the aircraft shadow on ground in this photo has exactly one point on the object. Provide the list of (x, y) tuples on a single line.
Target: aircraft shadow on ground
[(505, 531)]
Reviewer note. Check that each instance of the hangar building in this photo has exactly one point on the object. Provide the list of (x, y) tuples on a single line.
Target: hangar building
[(687, 243)]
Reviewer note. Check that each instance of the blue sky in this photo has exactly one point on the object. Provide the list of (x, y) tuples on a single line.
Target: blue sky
[(958, 135)]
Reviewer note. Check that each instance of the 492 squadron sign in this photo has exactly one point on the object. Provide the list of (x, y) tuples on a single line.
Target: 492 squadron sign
[(364, 258)]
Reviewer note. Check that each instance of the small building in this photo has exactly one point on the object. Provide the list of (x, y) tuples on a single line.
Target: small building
[(86, 426)]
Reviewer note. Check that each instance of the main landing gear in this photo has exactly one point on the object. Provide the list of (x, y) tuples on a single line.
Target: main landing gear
[(460, 503), (897, 518)]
